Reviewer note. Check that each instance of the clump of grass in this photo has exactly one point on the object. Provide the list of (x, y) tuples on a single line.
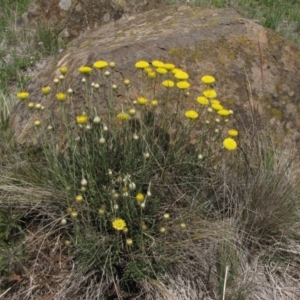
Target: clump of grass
[(133, 177), (158, 188)]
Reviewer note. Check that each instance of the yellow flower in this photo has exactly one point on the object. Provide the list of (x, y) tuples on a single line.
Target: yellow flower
[(129, 242), (215, 101), (101, 210), (207, 79), (154, 103), (119, 224), (112, 64), (79, 198), (46, 90), (37, 123), (175, 70), (61, 97), (30, 105), (183, 85), (217, 106), (169, 67), (202, 100), (85, 70), (230, 144), (148, 69), (82, 119), (132, 111), (151, 74), (142, 64), (224, 112), (140, 197), (168, 83), (181, 75), (63, 70), (100, 64), (127, 82), (233, 132), (161, 71), (23, 95), (123, 116), (191, 114), (142, 100), (157, 64), (210, 93)]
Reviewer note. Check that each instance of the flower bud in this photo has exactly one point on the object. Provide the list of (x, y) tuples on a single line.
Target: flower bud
[(74, 214), (83, 182), (67, 242), (79, 198), (132, 186), (129, 242), (97, 120), (162, 229), (166, 216), (63, 221)]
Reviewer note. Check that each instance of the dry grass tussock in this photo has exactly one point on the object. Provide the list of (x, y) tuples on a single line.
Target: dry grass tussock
[(256, 245), (129, 216)]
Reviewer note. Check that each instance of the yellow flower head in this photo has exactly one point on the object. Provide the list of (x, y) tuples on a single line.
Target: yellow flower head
[(233, 132), (210, 93), (169, 67), (127, 82), (215, 101), (37, 123), (157, 64), (148, 69), (151, 74), (183, 85), (175, 70), (118, 224), (207, 79), (140, 197), (100, 64), (202, 100), (112, 64), (132, 111), (123, 116), (61, 97), (63, 70), (217, 106), (142, 64), (168, 83), (230, 144), (46, 90), (191, 114), (85, 70), (23, 95), (129, 242), (82, 119), (30, 105), (154, 103), (181, 75), (161, 71), (142, 100), (224, 112)]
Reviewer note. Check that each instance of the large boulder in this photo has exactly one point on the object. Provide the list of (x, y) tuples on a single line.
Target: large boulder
[(257, 71)]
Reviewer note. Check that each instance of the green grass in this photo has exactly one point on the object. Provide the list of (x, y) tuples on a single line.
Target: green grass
[(208, 223), (20, 50)]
